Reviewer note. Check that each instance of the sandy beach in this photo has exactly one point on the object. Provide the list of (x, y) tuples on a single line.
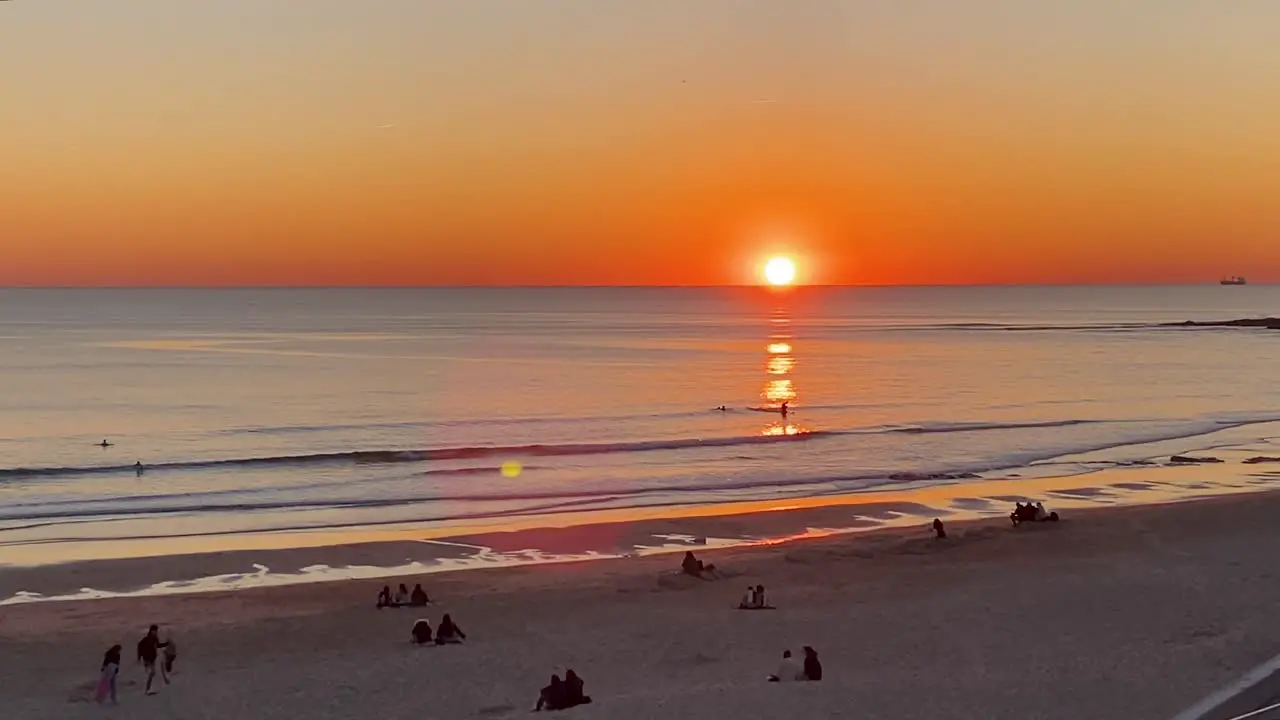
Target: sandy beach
[(1131, 612)]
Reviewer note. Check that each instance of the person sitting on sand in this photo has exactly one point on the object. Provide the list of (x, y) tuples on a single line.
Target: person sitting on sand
[(755, 599), (448, 633), (418, 597), (552, 696), (748, 599), (1031, 513), (812, 666), (788, 669), (695, 567), (384, 597), (938, 530), (401, 597), (421, 633), (573, 691)]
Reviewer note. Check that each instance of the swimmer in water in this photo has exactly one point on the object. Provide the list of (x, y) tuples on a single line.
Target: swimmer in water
[(723, 409), (784, 410), (104, 444), (137, 468)]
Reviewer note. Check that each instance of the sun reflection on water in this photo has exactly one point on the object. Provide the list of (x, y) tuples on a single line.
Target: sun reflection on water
[(779, 392)]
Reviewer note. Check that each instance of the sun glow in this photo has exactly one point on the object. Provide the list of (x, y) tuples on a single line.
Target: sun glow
[(780, 271)]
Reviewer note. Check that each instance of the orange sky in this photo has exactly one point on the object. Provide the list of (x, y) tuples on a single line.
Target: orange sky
[(582, 142)]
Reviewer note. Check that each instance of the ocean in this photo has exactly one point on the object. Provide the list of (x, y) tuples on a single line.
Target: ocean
[(268, 412)]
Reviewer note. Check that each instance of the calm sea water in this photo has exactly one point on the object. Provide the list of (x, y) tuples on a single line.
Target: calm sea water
[(272, 410)]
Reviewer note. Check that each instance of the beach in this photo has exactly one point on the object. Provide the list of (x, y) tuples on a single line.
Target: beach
[(1122, 612)]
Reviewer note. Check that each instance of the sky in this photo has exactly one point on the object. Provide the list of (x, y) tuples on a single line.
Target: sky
[(669, 142)]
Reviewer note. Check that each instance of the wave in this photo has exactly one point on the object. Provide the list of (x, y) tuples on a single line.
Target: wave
[(387, 457)]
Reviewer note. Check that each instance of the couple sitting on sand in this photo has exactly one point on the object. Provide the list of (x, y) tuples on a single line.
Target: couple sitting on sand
[(790, 671), (447, 634), (562, 694), (1031, 513), (695, 567), (754, 599), (403, 598)]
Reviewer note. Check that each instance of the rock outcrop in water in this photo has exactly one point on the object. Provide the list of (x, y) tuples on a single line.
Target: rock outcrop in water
[(1264, 323), (1187, 460), (1261, 459)]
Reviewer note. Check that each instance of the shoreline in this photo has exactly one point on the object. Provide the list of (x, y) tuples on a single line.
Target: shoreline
[(354, 556)]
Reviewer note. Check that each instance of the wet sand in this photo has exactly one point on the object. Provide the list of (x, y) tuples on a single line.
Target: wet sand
[(1120, 612)]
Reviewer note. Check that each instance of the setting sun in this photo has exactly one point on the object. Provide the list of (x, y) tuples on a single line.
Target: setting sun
[(780, 271)]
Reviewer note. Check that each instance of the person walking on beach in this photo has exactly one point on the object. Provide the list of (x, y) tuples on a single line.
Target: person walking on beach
[(148, 653), (107, 678), (170, 655)]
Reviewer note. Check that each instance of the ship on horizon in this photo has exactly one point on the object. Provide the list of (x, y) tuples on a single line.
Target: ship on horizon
[(1233, 280)]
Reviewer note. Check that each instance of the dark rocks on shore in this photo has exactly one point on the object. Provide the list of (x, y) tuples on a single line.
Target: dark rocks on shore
[(1264, 323), (1186, 460), (909, 477)]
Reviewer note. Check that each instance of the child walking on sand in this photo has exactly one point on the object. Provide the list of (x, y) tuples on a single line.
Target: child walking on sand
[(107, 678)]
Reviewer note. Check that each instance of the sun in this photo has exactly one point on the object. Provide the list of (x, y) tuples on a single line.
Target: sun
[(780, 271)]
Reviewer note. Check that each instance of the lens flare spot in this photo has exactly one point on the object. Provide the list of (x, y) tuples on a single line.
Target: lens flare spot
[(512, 469)]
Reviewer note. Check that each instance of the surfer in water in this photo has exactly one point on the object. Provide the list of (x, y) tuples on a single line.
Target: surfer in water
[(783, 410), (137, 468), (104, 444), (722, 408)]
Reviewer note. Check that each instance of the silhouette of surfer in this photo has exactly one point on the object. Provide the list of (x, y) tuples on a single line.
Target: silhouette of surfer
[(137, 468), (104, 444), (784, 410)]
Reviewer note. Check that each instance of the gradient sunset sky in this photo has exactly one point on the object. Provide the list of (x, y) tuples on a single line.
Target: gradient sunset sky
[(281, 142)]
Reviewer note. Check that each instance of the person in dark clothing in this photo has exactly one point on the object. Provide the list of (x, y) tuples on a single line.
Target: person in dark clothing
[(939, 531), (812, 666), (552, 696), (384, 597), (419, 596), (107, 679), (573, 690), (421, 633), (695, 567), (448, 633), (148, 652)]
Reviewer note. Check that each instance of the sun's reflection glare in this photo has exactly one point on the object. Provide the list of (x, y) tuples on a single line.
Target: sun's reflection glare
[(779, 387)]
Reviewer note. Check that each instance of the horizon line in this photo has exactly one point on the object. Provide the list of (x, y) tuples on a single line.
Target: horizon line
[(586, 286)]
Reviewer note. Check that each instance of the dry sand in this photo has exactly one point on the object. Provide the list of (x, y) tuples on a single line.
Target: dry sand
[(1114, 613)]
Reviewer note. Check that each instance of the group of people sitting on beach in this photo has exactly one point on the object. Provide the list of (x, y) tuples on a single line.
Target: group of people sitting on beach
[(754, 599), (149, 649), (447, 634), (562, 694), (1031, 513), (791, 671), (402, 598)]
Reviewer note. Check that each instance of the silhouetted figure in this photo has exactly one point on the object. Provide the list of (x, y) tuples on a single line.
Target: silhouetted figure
[(170, 657), (784, 410), (1031, 513), (138, 469), (384, 597), (448, 633), (573, 690), (402, 596), (552, 696), (939, 531), (418, 597), (812, 666), (149, 652), (104, 444), (695, 567), (107, 678), (421, 633)]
